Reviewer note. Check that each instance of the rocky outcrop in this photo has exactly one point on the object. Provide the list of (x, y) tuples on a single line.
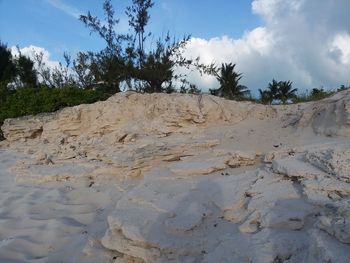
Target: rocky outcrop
[(125, 112), (199, 178), (24, 128), (330, 117)]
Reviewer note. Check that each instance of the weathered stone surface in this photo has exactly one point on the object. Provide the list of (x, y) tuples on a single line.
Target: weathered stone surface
[(29, 127), (159, 113), (330, 116), (242, 159), (179, 178), (334, 161)]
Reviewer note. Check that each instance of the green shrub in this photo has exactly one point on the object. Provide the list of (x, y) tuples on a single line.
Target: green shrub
[(315, 94), (33, 100)]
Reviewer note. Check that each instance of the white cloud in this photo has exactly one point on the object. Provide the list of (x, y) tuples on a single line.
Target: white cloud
[(69, 10), (341, 46), (31, 51), (305, 41)]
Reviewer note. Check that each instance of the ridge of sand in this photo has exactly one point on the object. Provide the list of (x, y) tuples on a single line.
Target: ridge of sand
[(178, 178)]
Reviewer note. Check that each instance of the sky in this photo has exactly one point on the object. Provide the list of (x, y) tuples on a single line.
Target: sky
[(305, 41)]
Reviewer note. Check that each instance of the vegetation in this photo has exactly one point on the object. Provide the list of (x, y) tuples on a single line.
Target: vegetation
[(33, 100), (229, 83), (18, 70), (125, 58), (285, 91), (278, 91), (30, 86), (315, 94), (22, 94)]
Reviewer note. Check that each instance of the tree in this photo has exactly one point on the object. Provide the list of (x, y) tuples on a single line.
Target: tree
[(82, 68), (106, 29), (125, 59), (138, 14), (109, 65), (157, 71), (229, 83), (25, 71), (270, 93), (277, 90), (7, 66), (265, 96), (272, 90), (285, 91), (16, 69)]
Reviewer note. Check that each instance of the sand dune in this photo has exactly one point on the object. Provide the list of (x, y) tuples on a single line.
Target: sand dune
[(178, 178)]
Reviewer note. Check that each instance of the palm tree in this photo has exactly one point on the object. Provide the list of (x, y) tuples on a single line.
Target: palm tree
[(270, 93), (265, 96), (285, 91), (273, 89), (229, 83)]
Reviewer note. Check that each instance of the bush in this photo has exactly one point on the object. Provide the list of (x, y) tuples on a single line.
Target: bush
[(33, 100), (315, 94)]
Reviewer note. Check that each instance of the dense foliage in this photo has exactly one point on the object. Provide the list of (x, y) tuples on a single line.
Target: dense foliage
[(21, 94), (33, 100)]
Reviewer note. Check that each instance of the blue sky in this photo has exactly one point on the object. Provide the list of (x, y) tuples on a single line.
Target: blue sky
[(53, 24), (304, 41)]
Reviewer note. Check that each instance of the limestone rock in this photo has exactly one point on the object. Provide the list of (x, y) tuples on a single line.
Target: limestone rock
[(333, 161), (43, 158), (191, 166), (158, 113), (29, 127), (287, 214), (336, 226), (330, 116), (241, 159), (178, 178)]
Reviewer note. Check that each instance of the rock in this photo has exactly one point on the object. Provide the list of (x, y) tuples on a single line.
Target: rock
[(287, 214), (241, 159), (43, 158), (159, 113), (193, 166), (330, 116), (163, 165), (294, 167), (332, 161), (251, 225), (337, 223), (324, 249), (274, 155), (24, 128)]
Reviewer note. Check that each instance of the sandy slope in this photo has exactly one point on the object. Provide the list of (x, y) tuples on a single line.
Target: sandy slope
[(178, 178)]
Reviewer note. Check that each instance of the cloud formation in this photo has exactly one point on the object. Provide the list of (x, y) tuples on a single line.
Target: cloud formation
[(31, 52), (69, 10), (305, 41)]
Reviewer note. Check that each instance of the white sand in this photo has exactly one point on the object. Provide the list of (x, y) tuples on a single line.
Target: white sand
[(178, 178)]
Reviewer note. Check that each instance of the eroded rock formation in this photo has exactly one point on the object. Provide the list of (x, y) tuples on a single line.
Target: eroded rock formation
[(199, 178)]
